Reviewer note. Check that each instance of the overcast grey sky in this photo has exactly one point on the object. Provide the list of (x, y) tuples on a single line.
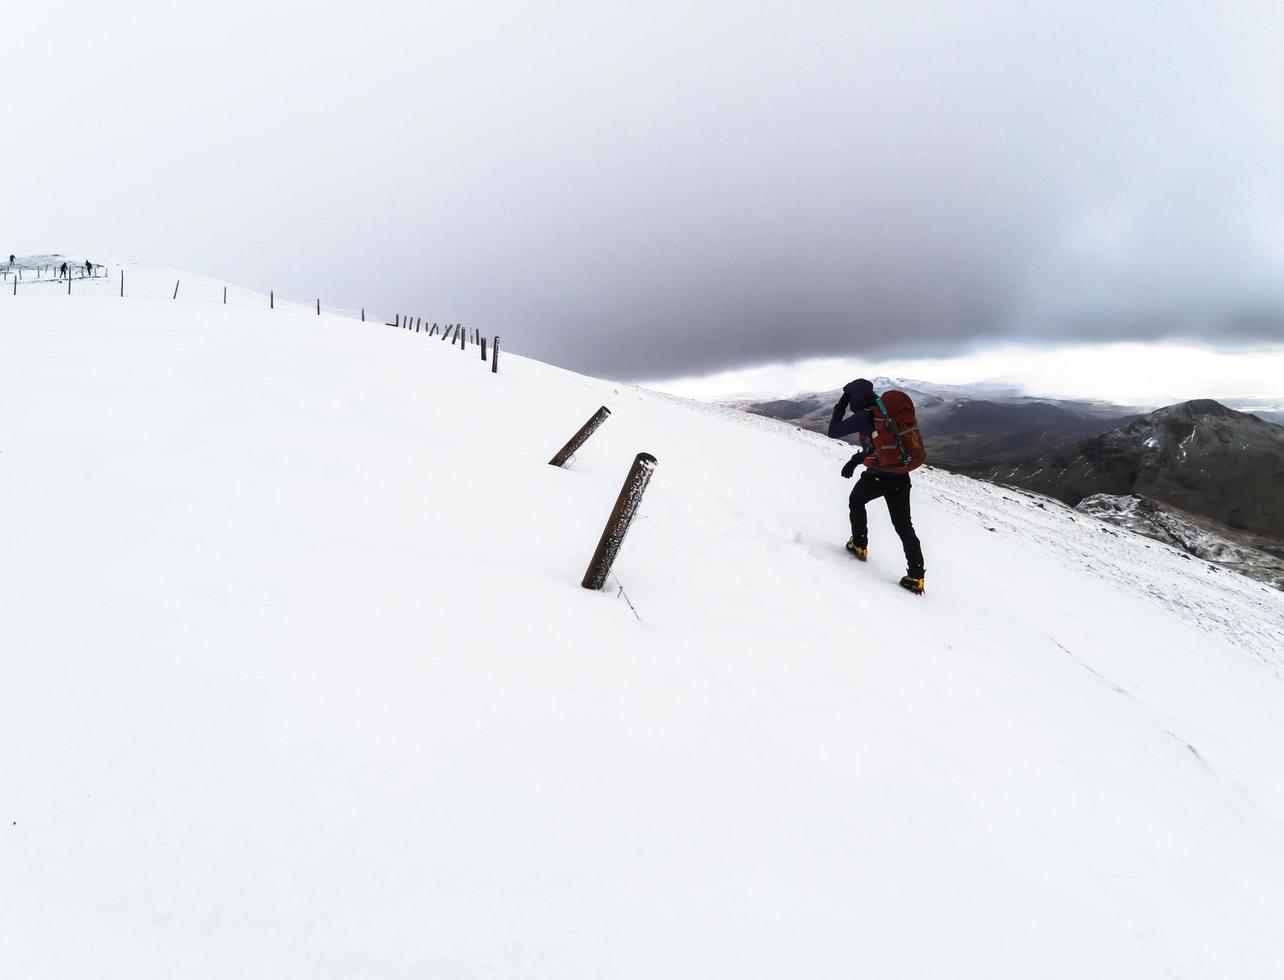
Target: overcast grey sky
[(643, 190)]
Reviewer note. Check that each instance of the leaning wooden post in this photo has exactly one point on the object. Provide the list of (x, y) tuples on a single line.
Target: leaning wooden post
[(494, 356), (122, 282), (483, 350), (175, 296), (271, 299), (577, 440), (225, 296), (617, 525)]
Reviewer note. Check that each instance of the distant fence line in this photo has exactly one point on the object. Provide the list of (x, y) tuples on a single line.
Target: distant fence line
[(47, 280)]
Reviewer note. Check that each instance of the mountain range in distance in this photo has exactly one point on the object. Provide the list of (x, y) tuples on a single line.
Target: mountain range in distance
[(1199, 475)]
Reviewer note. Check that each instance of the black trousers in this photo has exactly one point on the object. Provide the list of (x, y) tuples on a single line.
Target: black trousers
[(896, 491)]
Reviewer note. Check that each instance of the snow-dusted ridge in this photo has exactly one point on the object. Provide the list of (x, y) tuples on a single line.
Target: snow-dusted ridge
[(298, 681)]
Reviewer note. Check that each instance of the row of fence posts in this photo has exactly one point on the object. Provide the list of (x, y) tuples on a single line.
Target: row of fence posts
[(456, 332), (626, 503), (460, 335), (271, 299)]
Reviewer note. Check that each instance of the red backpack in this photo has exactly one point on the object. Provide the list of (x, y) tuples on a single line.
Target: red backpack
[(897, 444)]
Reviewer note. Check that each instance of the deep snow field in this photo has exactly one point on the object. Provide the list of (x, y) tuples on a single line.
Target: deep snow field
[(297, 679)]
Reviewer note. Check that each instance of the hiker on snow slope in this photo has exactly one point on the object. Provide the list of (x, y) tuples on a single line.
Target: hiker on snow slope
[(888, 458)]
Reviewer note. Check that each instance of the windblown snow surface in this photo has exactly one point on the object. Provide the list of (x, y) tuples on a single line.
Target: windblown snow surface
[(297, 679)]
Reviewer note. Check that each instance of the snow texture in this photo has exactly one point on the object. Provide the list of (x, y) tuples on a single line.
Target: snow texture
[(299, 681)]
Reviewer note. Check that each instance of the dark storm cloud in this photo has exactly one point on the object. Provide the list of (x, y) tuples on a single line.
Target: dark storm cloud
[(647, 190)]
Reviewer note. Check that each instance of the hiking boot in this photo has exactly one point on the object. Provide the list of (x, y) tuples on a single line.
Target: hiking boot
[(860, 551), (915, 585)]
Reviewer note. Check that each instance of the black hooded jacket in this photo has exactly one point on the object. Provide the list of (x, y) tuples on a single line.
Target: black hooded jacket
[(860, 399)]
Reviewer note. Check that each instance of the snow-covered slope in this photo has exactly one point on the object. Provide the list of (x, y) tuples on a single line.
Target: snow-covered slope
[(298, 681)]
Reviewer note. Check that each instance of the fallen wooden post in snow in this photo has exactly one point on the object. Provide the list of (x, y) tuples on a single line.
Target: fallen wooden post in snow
[(577, 440)]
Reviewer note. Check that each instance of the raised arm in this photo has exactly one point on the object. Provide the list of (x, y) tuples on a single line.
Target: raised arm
[(859, 421)]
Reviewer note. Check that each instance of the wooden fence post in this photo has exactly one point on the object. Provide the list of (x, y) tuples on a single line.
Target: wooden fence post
[(483, 350), (494, 356), (225, 296), (577, 440), (617, 525), (271, 299), (318, 307), (363, 314), (122, 282), (176, 282)]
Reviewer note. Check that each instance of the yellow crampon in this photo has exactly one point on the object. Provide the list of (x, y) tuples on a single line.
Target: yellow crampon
[(861, 553), (915, 585)]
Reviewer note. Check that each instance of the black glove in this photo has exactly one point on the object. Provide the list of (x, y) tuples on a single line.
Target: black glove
[(841, 405), (849, 467)]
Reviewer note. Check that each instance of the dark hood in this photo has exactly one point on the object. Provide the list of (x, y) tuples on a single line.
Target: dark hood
[(860, 393)]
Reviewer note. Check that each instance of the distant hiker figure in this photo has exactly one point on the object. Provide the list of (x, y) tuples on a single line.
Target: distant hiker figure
[(890, 446), (89, 268), (63, 272), (11, 261)]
